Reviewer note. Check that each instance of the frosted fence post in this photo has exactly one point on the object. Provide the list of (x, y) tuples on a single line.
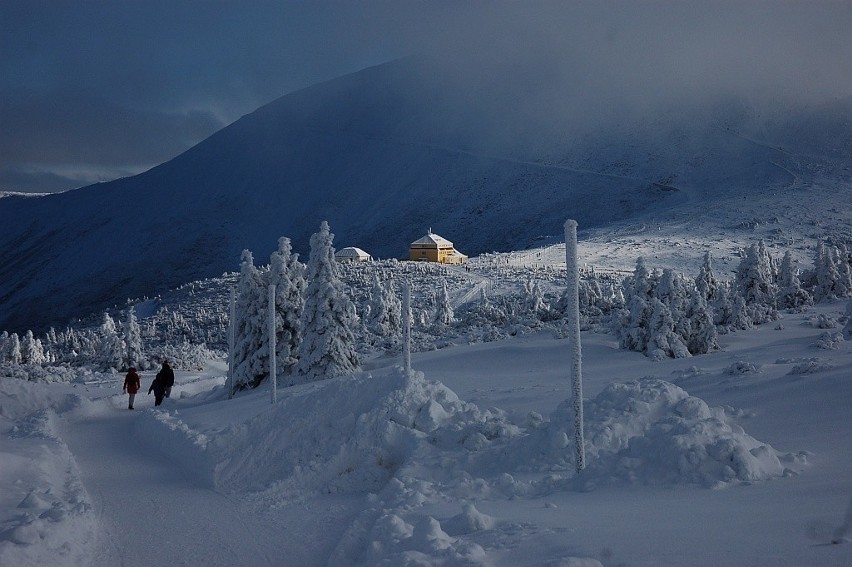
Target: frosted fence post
[(406, 327), (273, 371), (233, 322), (573, 295)]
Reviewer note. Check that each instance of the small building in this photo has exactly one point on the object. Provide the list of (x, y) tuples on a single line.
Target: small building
[(434, 248), (352, 254)]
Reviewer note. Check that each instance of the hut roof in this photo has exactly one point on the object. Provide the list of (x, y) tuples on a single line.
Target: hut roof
[(431, 238)]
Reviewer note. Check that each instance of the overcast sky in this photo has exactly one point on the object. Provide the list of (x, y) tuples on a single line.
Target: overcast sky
[(94, 90)]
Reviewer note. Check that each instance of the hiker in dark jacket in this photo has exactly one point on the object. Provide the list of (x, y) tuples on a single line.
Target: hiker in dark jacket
[(158, 389), (167, 376)]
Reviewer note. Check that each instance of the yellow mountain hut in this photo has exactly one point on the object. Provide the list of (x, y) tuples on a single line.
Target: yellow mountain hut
[(434, 248)]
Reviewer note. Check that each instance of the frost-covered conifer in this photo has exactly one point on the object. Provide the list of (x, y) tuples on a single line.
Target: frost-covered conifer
[(723, 307), (88, 341), (32, 351), (740, 314), (589, 295), (535, 303), (673, 292), (385, 310), (328, 343), (755, 277), (444, 315), (110, 349), (288, 276), (791, 294), (703, 336), (827, 273), (756, 285), (663, 341), (4, 346), (706, 281), (51, 338), (844, 270), (487, 313), (250, 365), (132, 339), (847, 330), (13, 349), (633, 321)]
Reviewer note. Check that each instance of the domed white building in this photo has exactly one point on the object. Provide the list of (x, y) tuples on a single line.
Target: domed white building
[(352, 254)]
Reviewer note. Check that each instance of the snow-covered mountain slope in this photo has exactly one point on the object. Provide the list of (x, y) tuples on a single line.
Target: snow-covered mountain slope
[(492, 163)]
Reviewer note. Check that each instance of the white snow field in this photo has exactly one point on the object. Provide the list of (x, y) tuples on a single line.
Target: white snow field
[(739, 457)]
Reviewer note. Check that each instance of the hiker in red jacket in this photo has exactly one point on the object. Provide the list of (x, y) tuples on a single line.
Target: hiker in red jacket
[(132, 383)]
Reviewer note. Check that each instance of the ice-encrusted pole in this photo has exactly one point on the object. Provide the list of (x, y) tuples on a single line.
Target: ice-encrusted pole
[(406, 327), (232, 324), (573, 296), (273, 371)]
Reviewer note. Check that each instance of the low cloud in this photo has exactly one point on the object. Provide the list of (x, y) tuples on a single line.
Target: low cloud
[(136, 84)]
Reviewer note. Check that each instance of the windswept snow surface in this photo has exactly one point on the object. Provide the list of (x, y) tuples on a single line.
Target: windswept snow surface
[(739, 457)]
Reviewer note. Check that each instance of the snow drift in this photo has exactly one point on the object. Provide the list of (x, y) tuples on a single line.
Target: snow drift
[(355, 434)]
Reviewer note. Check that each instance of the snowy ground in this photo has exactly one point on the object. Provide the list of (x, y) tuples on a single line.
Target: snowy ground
[(466, 463)]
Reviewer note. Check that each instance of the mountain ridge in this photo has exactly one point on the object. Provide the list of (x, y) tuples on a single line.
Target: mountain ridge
[(382, 154)]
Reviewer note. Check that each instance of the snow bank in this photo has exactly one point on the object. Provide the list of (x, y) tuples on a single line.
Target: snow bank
[(409, 444), (349, 434), (20, 397), (45, 513), (652, 432)]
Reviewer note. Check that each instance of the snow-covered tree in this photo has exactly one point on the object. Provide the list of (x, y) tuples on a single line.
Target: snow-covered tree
[(827, 273), (590, 296), (444, 315), (328, 344), (723, 307), (111, 349), (133, 356), (847, 330), (844, 270), (663, 341), (706, 282), (791, 294), (385, 310), (486, 312), (672, 290), (756, 284), (535, 303), (288, 276), (32, 351), (13, 349), (703, 336), (740, 314), (250, 357), (633, 321)]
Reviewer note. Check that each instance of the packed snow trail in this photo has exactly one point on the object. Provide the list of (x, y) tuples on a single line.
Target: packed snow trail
[(149, 511)]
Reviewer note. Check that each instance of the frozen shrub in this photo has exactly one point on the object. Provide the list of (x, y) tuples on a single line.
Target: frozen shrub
[(741, 367)]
